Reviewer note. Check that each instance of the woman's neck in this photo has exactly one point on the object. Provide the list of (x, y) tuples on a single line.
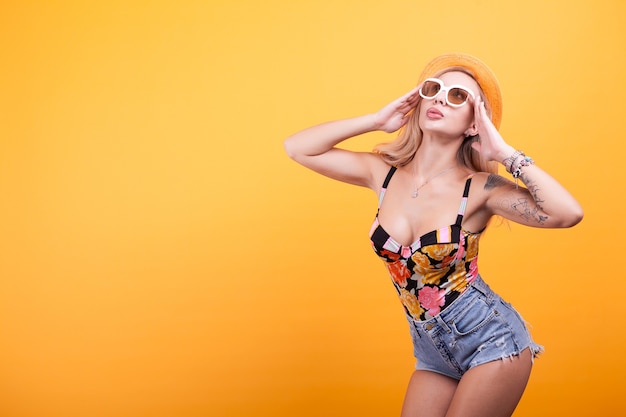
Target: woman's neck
[(434, 154)]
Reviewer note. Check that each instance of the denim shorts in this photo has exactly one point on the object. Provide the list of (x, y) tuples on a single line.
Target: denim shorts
[(478, 327)]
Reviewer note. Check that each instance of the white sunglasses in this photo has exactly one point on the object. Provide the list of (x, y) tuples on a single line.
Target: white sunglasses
[(456, 95)]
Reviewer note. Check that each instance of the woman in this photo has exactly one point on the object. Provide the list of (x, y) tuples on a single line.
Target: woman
[(438, 189)]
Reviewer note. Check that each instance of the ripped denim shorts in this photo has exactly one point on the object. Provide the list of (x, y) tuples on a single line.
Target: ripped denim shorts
[(478, 327)]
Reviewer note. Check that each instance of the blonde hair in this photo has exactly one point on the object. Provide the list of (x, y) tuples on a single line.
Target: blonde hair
[(401, 151)]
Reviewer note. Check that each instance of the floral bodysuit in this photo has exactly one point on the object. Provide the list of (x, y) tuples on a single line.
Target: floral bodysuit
[(434, 270)]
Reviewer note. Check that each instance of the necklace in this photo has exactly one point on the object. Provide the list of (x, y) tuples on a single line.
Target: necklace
[(415, 193)]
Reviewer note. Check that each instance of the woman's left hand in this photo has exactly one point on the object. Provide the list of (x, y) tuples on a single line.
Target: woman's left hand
[(491, 146)]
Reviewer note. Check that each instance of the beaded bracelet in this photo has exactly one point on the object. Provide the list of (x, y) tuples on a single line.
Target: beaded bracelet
[(513, 163), (524, 162), (508, 162)]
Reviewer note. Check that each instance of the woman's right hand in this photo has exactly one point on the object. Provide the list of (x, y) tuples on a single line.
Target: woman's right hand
[(393, 116)]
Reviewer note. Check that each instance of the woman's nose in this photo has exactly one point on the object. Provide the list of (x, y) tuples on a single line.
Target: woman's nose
[(441, 96)]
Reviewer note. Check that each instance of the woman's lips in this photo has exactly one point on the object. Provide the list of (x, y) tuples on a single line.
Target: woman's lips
[(433, 113)]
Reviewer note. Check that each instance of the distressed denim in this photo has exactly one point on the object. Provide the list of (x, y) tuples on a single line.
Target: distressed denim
[(478, 327)]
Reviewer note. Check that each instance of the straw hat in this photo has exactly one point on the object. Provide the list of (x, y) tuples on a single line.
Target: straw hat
[(483, 75)]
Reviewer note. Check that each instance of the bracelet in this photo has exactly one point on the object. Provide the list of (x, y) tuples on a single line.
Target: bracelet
[(508, 162), (524, 162)]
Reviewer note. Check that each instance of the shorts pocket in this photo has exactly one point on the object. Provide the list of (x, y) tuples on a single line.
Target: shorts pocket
[(476, 315)]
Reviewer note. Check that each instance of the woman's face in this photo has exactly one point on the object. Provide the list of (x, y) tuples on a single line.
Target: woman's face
[(437, 117)]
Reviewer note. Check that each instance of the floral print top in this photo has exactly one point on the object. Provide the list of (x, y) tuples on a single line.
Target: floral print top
[(434, 270)]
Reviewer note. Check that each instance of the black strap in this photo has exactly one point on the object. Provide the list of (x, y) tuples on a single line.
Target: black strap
[(392, 170), (459, 217)]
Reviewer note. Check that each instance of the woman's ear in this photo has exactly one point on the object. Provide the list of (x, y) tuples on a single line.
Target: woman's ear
[(471, 131)]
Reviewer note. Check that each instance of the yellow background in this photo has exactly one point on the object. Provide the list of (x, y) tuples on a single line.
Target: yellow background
[(161, 256)]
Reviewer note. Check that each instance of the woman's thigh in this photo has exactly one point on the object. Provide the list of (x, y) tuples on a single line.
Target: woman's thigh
[(429, 394), (492, 389)]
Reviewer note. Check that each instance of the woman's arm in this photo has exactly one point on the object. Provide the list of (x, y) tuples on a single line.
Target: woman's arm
[(544, 202), (315, 147)]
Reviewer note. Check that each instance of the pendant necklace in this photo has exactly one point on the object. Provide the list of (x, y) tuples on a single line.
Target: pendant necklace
[(415, 192)]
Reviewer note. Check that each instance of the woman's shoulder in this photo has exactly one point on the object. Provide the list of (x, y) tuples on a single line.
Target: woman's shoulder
[(488, 189), (379, 169), (484, 185), (478, 212)]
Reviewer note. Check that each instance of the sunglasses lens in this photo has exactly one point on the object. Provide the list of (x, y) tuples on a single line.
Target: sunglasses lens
[(430, 89), (457, 96)]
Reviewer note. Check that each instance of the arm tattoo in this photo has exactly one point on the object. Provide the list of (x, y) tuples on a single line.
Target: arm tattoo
[(494, 181), (526, 208), (527, 212), (534, 190)]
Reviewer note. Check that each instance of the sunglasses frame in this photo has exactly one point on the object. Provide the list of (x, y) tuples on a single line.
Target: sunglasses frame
[(442, 87)]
